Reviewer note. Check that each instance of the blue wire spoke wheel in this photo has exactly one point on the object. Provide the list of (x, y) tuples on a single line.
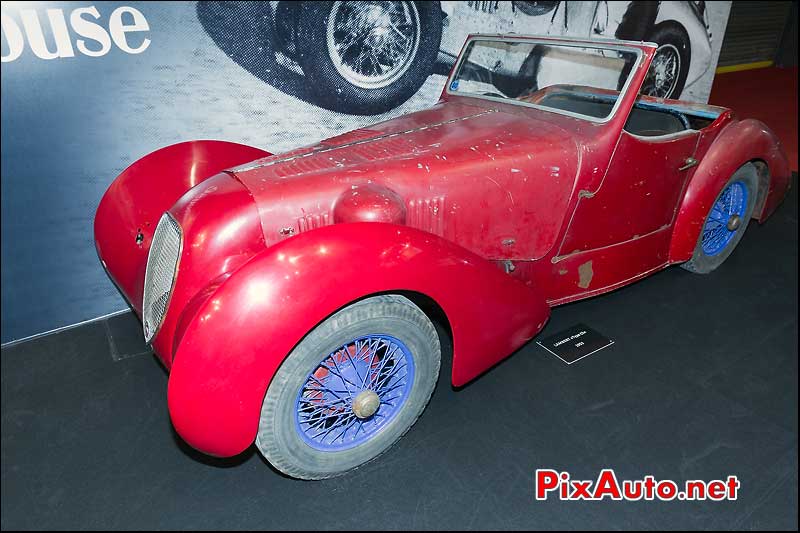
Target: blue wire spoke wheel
[(726, 221), (350, 389), (726, 217), (354, 392)]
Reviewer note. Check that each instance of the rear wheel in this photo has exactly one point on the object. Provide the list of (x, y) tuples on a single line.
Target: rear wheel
[(670, 66), (350, 389), (726, 222)]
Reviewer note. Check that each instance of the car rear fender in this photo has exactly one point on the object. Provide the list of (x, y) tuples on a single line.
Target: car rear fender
[(240, 334), (131, 207), (740, 143)]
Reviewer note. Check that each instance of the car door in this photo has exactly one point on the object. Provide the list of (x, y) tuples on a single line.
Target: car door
[(639, 193)]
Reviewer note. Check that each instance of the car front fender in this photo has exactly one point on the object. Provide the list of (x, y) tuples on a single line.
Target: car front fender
[(240, 335), (134, 202), (738, 144)]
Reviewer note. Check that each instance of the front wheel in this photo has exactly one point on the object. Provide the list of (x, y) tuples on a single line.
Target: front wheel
[(350, 389), (726, 222), (367, 58)]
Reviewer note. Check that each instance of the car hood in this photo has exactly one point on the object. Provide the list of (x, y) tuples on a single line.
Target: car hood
[(419, 155)]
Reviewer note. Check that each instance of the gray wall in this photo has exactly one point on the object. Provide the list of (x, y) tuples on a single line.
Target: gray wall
[(787, 51), (754, 31)]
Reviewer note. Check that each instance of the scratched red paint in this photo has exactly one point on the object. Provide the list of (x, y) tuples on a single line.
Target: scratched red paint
[(438, 202)]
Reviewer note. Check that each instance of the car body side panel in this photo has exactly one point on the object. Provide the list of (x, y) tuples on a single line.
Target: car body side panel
[(638, 196), (738, 143), (579, 274), (139, 196), (585, 274), (216, 386)]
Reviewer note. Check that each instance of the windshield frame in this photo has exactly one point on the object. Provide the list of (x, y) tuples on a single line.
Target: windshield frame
[(598, 44)]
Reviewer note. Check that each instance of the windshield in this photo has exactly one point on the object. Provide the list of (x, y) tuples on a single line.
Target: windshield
[(580, 80)]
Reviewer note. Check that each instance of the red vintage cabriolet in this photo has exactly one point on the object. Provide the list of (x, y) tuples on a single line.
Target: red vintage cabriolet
[(290, 296)]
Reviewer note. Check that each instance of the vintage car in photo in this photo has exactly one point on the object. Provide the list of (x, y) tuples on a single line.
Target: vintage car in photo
[(370, 57), (292, 297)]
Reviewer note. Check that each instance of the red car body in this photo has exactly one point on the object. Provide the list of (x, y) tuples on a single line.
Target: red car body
[(491, 211)]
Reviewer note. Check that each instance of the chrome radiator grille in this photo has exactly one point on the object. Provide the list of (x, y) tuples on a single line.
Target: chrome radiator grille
[(162, 264)]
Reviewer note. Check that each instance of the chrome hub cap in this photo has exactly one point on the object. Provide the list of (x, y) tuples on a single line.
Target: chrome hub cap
[(366, 403), (733, 222)]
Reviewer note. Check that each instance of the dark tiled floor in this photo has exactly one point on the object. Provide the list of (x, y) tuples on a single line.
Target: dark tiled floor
[(701, 383)]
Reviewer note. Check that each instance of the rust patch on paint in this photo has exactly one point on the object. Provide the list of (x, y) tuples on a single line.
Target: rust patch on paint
[(585, 275), (562, 271)]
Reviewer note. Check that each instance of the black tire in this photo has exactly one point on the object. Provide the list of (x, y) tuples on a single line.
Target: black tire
[(333, 90), (284, 27), (701, 263), (278, 439), (534, 9), (670, 38), (638, 20)]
